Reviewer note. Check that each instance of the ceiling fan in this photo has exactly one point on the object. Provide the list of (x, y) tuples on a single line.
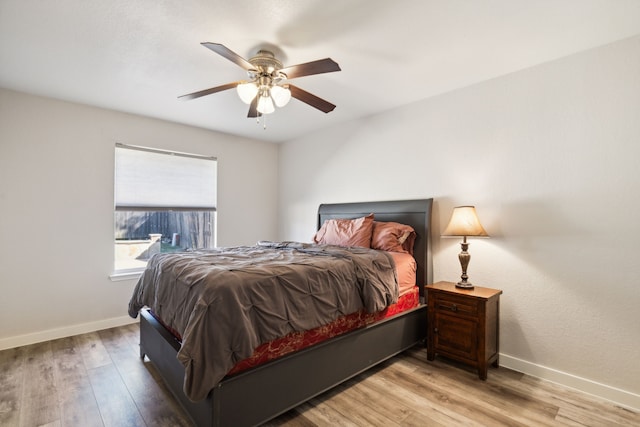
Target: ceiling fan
[(268, 81)]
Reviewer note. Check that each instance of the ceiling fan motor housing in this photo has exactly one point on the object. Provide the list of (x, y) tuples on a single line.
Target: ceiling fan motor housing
[(266, 63)]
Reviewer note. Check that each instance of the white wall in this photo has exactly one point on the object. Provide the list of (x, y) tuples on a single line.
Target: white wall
[(549, 156), (56, 209)]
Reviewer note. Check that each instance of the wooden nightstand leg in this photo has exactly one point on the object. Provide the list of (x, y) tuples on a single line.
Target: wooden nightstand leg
[(431, 355), (482, 371)]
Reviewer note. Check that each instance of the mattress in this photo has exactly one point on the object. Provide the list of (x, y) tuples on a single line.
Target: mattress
[(297, 341)]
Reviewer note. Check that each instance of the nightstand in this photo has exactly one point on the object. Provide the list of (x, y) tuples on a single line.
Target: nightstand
[(464, 324)]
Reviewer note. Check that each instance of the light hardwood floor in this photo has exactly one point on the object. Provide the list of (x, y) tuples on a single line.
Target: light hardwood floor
[(98, 379)]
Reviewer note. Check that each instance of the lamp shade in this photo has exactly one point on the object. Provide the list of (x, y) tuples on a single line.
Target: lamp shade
[(281, 95), (464, 222), (247, 91), (265, 104)]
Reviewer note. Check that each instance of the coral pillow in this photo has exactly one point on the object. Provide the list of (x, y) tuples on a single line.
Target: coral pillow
[(393, 237), (346, 232)]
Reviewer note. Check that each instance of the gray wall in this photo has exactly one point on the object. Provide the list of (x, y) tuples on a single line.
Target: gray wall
[(56, 194), (549, 156)]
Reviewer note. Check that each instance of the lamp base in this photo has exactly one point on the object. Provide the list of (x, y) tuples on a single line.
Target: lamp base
[(464, 285)]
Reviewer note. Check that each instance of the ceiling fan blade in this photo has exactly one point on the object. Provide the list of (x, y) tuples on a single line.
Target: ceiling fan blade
[(253, 109), (198, 94), (229, 54), (311, 99), (320, 66)]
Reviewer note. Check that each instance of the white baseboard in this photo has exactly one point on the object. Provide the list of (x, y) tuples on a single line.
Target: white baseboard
[(620, 397), (67, 331)]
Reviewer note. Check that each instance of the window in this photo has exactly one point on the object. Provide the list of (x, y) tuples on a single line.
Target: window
[(164, 202)]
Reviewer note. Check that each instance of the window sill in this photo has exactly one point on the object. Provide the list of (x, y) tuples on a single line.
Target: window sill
[(121, 275)]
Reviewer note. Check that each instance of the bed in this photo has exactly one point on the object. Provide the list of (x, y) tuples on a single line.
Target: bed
[(256, 394)]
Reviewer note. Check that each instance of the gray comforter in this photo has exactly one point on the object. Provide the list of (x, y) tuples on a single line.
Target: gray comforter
[(225, 302)]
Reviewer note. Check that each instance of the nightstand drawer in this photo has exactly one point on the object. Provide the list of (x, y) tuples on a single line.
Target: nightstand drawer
[(457, 305)]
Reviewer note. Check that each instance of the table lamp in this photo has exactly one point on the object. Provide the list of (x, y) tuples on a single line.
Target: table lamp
[(464, 223)]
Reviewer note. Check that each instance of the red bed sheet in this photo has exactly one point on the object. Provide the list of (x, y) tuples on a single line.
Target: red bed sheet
[(296, 341)]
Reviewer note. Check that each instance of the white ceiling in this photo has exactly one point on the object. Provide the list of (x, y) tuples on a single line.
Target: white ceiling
[(138, 56)]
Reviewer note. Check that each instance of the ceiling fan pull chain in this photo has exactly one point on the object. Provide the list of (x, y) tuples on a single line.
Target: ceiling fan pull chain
[(264, 121)]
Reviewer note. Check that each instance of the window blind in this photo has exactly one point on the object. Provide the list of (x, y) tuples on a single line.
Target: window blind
[(149, 179)]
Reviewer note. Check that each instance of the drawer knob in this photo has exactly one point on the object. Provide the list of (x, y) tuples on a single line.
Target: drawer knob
[(454, 307)]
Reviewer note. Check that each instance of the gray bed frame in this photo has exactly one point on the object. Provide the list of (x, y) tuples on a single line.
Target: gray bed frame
[(257, 395)]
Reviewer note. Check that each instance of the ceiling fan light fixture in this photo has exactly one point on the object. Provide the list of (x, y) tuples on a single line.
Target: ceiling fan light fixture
[(265, 104), (281, 95), (247, 91)]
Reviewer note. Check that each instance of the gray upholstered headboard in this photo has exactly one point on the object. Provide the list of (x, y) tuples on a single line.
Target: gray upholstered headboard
[(416, 213)]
